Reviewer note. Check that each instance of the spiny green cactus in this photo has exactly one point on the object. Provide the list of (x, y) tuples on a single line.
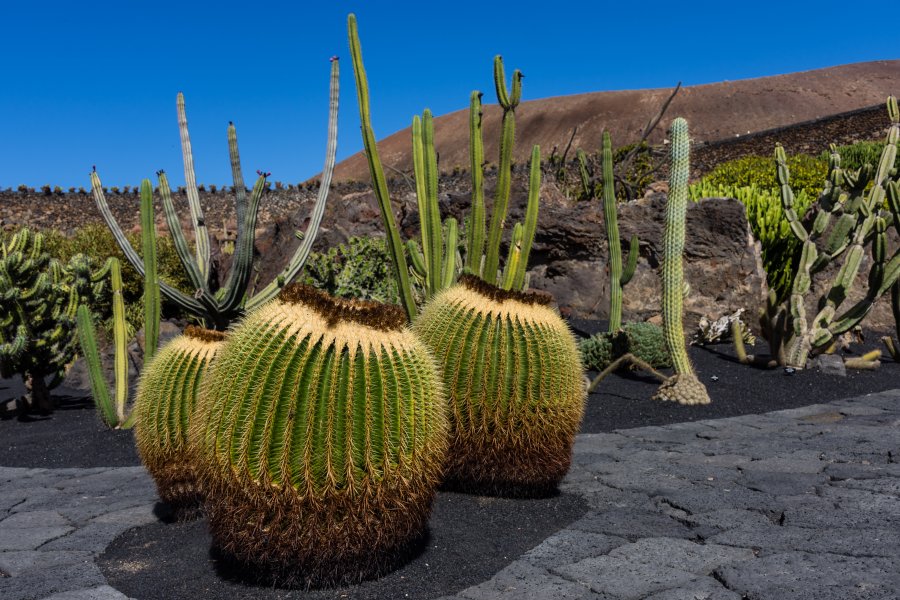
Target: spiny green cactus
[(165, 406), (515, 385), (683, 387), (618, 277), (643, 340), (38, 300), (320, 436), (849, 216), (220, 308), (436, 268)]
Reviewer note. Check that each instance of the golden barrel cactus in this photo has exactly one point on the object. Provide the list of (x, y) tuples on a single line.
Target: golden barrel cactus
[(321, 441), (165, 404), (515, 385)]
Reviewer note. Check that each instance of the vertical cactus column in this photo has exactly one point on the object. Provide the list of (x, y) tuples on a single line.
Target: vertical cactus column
[(683, 387)]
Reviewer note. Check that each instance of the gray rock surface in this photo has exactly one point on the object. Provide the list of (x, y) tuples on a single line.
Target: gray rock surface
[(796, 504)]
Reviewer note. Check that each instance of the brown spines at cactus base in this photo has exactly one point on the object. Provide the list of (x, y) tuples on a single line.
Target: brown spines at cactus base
[(383, 317), (515, 384), (320, 442), (165, 404)]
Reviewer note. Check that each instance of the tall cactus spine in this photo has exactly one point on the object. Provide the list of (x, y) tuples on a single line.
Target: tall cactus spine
[(683, 387), (320, 436), (514, 382), (165, 405)]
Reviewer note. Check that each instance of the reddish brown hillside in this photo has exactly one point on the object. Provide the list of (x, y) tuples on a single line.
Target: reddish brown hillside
[(716, 112)]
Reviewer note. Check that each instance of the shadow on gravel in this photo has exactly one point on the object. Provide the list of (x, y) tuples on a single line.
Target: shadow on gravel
[(470, 538)]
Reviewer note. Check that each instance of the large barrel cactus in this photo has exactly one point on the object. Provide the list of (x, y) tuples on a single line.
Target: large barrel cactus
[(164, 407), (322, 435), (515, 384)]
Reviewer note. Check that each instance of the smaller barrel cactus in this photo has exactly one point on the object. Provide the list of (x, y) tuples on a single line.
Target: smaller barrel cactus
[(321, 434), (165, 404), (515, 385)]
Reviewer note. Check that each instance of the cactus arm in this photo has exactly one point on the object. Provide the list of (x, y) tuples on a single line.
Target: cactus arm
[(395, 246), (508, 103), (240, 191), (531, 217), (99, 388), (201, 235), (612, 236), (119, 342), (151, 282), (433, 217), (422, 197), (450, 252), (417, 260), (476, 230), (514, 259), (179, 241), (236, 284), (298, 260), (634, 248)]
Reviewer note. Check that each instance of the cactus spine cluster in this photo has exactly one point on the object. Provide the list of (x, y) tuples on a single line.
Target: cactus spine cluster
[(514, 381), (220, 308), (848, 216), (320, 437), (683, 387), (165, 406)]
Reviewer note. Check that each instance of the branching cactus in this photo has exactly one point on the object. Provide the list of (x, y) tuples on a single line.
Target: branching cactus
[(437, 267), (320, 437), (221, 308), (38, 300), (849, 216), (618, 276), (683, 387), (165, 406)]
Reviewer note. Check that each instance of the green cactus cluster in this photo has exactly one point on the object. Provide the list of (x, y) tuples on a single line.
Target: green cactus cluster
[(217, 309), (851, 216), (683, 387), (320, 436), (644, 341), (39, 297)]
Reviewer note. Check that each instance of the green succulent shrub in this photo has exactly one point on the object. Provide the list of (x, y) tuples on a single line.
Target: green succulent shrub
[(644, 340), (360, 269), (320, 435), (165, 405), (807, 173), (515, 385), (854, 156)]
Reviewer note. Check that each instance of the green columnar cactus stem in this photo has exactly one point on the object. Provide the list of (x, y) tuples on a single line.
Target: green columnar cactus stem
[(857, 201), (515, 384), (112, 411), (683, 387), (617, 276), (152, 299), (219, 309), (587, 186), (476, 230), (508, 102), (165, 406), (320, 438)]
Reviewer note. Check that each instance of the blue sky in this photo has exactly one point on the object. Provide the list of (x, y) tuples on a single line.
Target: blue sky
[(94, 83)]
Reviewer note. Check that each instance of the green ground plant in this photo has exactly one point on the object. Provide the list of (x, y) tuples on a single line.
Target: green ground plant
[(808, 173), (361, 269)]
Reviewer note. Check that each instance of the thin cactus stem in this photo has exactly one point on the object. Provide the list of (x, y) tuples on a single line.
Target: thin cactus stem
[(514, 259), (395, 245), (242, 266), (201, 235), (151, 281), (508, 102), (449, 267), (433, 216), (298, 260), (612, 236), (422, 198), (179, 241), (99, 388), (586, 187), (120, 341), (240, 192), (475, 232), (531, 217)]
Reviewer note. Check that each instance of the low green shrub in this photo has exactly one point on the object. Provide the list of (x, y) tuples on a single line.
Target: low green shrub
[(361, 268), (807, 173), (854, 156)]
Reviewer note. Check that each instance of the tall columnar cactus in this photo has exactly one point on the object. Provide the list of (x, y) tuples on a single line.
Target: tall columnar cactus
[(436, 267), (849, 216), (165, 406), (113, 411), (38, 300), (683, 387), (515, 384), (320, 436), (618, 277), (220, 308)]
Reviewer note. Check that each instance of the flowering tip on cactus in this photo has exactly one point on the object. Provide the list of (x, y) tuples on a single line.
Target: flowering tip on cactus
[(160, 172), (263, 173), (334, 58), (93, 168)]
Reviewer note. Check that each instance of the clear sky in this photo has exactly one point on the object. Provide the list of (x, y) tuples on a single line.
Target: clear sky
[(94, 83)]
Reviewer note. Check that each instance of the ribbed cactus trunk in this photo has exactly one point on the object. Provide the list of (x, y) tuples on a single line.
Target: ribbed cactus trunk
[(515, 385), (321, 439), (683, 387), (165, 405)]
